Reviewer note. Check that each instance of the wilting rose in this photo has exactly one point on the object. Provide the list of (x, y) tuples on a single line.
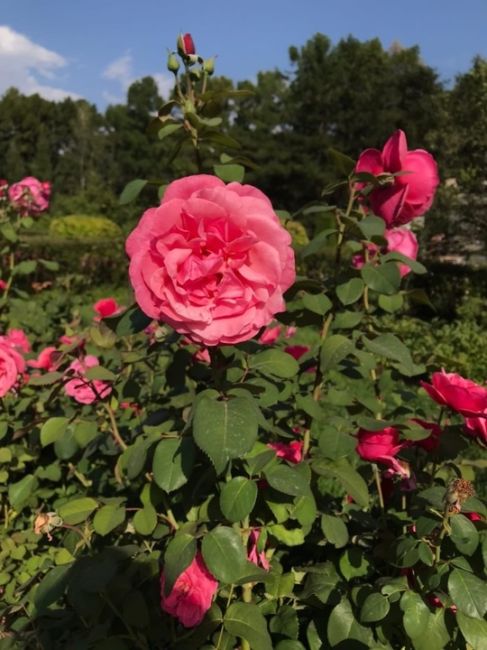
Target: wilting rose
[(432, 442), (290, 451), (257, 557), (459, 394), (48, 359), (399, 240), (83, 390), (12, 365), (399, 199), (192, 593), (212, 260), (106, 307), (477, 428), (30, 196), (186, 45), (382, 447)]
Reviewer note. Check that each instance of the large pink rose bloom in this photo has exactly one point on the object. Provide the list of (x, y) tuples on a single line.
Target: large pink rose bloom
[(191, 595), (382, 447), (12, 364), (30, 196), (212, 260), (85, 391), (459, 394), (400, 198)]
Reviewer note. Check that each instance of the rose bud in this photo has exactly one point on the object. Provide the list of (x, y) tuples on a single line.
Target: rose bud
[(172, 62), (185, 45)]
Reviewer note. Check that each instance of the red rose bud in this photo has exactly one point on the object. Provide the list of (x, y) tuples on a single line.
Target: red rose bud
[(186, 45)]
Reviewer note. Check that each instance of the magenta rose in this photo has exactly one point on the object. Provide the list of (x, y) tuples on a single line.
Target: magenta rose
[(259, 558), (212, 261), (48, 359), (30, 196), (382, 447), (83, 390), (399, 240), (290, 451), (399, 199), (12, 364), (459, 394), (18, 340), (192, 593), (477, 428)]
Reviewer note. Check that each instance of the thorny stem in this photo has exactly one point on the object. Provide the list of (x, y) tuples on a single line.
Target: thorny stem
[(114, 428), (229, 600), (379, 486), (443, 532)]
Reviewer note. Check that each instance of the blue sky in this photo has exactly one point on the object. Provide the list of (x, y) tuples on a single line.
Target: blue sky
[(95, 48)]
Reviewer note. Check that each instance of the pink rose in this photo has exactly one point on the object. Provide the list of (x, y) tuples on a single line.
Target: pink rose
[(12, 365), (432, 442), (18, 340), (257, 557), (382, 447), (459, 394), (30, 196), (107, 307), (3, 285), (477, 428), (191, 595), (399, 199), (270, 335), (399, 240), (212, 260), (48, 359), (297, 351), (85, 391), (292, 451)]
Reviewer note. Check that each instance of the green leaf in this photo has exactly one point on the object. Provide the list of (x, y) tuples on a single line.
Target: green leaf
[(77, 510), (350, 479), (85, 432), (99, 373), (375, 608), (317, 243), (224, 429), (464, 534), (335, 530), (350, 291), (237, 498), (145, 520), (335, 444), (287, 536), (8, 232), (474, 631), (390, 347), (52, 430), (224, 554), (383, 279), (390, 304), (26, 267), (230, 173), (108, 518), (342, 626), (334, 349), (179, 554), (135, 610), (246, 621), (372, 226), (395, 256), (168, 129), (285, 623), (173, 463), (468, 592), (20, 492), (46, 379), (354, 563), (416, 614), (288, 480), (51, 587), (275, 363), (343, 163), (318, 303), (131, 191), (131, 321), (435, 634)]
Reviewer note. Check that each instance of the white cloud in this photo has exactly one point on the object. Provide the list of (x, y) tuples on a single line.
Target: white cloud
[(121, 71), (22, 62)]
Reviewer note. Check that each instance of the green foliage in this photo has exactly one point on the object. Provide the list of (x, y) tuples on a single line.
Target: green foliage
[(84, 227)]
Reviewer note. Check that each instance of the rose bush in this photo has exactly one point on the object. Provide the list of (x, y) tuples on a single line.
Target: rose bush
[(294, 494)]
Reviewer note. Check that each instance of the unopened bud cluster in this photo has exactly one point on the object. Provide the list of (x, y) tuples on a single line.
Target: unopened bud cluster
[(187, 51)]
